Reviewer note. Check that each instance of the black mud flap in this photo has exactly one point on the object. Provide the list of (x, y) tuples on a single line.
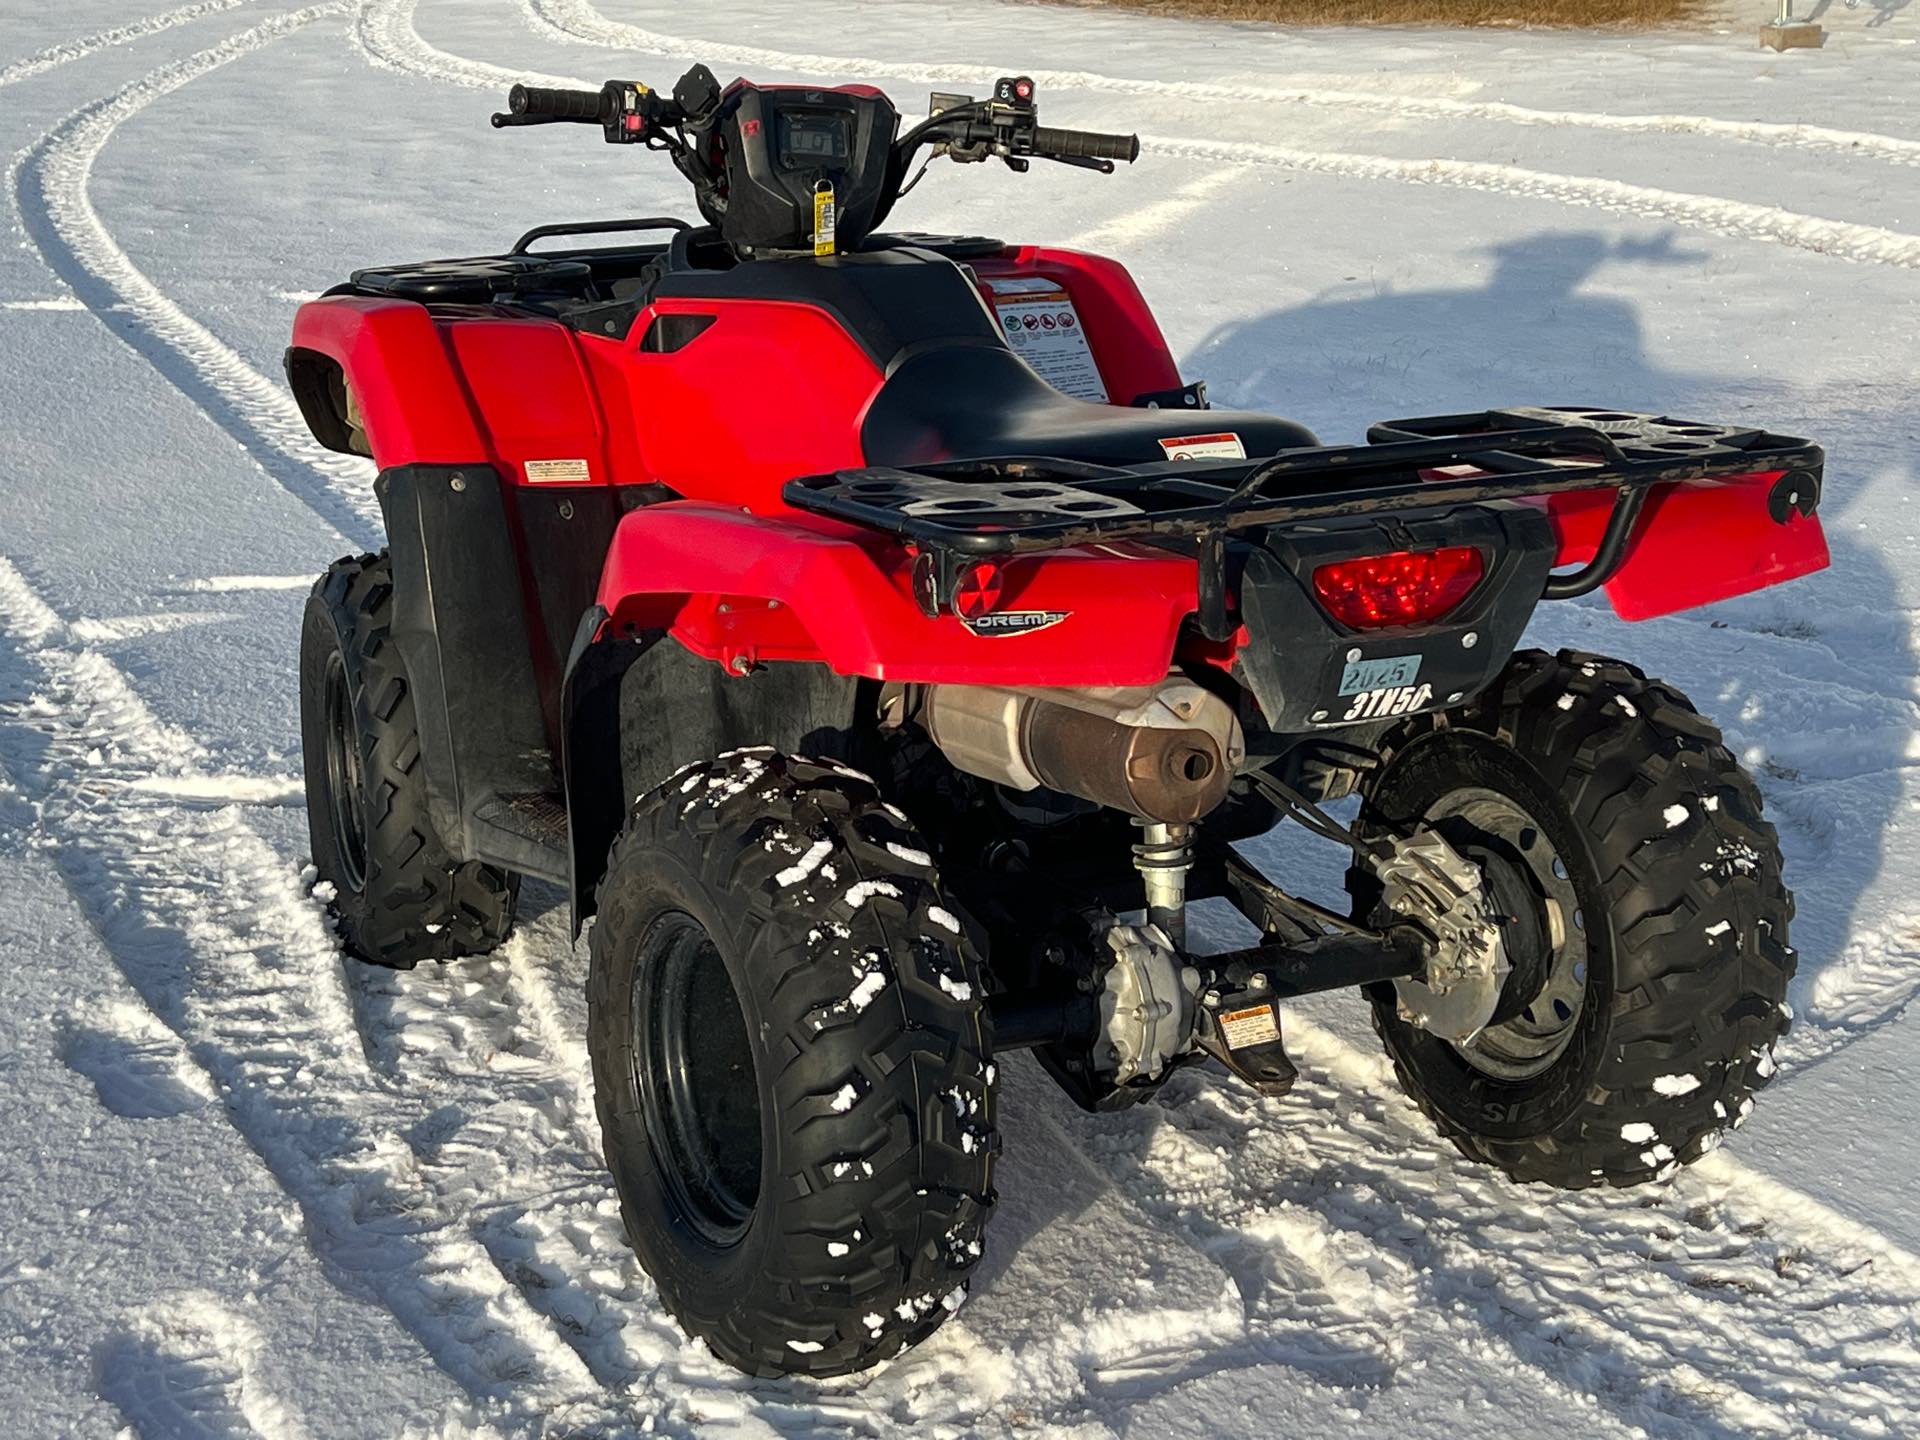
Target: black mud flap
[(639, 706), (460, 623)]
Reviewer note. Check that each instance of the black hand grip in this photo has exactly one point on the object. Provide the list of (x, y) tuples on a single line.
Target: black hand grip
[(1085, 144), (585, 106)]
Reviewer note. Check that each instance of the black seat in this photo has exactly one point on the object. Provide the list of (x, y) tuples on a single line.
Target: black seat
[(969, 402)]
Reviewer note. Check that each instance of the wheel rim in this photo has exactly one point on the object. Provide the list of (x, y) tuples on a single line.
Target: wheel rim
[(1531, 886), (345, 795), (694, 1071)]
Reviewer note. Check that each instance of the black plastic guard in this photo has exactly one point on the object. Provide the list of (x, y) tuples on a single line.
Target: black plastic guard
[(1297, 654), (460, 623), (639, 706)]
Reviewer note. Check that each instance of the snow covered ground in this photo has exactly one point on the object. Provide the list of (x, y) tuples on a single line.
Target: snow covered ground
[(249, 1189)]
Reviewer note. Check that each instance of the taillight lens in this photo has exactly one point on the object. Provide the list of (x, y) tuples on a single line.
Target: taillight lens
[(1407, 587)]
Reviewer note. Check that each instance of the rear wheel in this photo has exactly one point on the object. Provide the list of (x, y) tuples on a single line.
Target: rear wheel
[(1646, 923), (791, 1055), (397, 897)]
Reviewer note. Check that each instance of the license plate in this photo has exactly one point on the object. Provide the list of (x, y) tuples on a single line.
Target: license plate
[(1385, 672)]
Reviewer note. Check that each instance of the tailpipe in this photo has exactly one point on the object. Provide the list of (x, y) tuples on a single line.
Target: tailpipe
[(1164, 752)]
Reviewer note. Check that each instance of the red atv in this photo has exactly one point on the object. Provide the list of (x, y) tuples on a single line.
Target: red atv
[(879, 638)]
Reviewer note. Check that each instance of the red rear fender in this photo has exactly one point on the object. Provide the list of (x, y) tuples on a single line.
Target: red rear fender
[(1695, 543), (766, 391), (740, 589)]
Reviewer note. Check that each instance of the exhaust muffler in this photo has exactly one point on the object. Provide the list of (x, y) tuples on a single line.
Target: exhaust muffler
[(1164, 752)]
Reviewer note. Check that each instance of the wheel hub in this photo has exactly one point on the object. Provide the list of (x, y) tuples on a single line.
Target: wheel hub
[(694, 1073), (345, 789), (1531, 891), (1425, 880)]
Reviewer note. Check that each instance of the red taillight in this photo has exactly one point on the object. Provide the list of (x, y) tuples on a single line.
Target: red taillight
[(1408, 587), (977, 590)]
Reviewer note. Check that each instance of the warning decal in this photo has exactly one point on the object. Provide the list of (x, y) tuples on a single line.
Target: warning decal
[(557, 472), (1043, 328), (1254, 1025), (1224, 446)]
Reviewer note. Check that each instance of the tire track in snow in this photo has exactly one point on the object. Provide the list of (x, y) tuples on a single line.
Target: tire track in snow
[(579, 21), (187, 1366), (396, 43), (508, 1149), (67, 51), (212, 930), (1723, 1303), (268, 424), (1137, 226), (1843, 239), (1873, 983), (385, 33), (51, 186), (1299, 1294)]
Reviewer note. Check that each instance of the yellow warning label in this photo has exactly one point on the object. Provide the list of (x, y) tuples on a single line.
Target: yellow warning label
[(825, 218), (1254, 1025)]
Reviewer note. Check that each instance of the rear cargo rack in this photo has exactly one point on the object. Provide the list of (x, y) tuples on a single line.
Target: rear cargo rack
[(957, 512)]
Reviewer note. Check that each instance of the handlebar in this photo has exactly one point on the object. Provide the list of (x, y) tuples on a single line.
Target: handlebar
[(1061, 144), (585, 105), (691, 126), (532, 105), (974, 130)]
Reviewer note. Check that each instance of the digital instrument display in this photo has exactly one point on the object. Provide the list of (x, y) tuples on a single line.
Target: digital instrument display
[(813, 138)]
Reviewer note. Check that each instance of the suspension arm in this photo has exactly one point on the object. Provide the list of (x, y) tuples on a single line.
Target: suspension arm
[(1339, 961)]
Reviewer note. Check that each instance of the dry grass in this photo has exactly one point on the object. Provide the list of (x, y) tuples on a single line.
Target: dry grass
[(1509, 14)]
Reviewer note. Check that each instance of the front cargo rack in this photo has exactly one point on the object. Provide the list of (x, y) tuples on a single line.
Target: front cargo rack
[(957, 512)]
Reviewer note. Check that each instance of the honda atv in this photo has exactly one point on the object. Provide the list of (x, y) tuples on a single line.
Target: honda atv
[(883, 646)]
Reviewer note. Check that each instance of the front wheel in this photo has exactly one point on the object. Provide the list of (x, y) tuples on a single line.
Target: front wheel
[(792, 1065), (1645, 919)]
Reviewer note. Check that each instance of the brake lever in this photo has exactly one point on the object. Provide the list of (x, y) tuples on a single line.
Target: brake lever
[(1079, 162), (501, 120)]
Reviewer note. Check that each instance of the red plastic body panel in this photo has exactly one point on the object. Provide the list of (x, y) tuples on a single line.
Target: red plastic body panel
[(774, 389), (1695, 543), (769, 391), (841, 597), (531, 389), (411, 395), (1127, 344)]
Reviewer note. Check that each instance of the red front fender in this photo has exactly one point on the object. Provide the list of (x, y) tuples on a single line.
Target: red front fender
[(411, 400)]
